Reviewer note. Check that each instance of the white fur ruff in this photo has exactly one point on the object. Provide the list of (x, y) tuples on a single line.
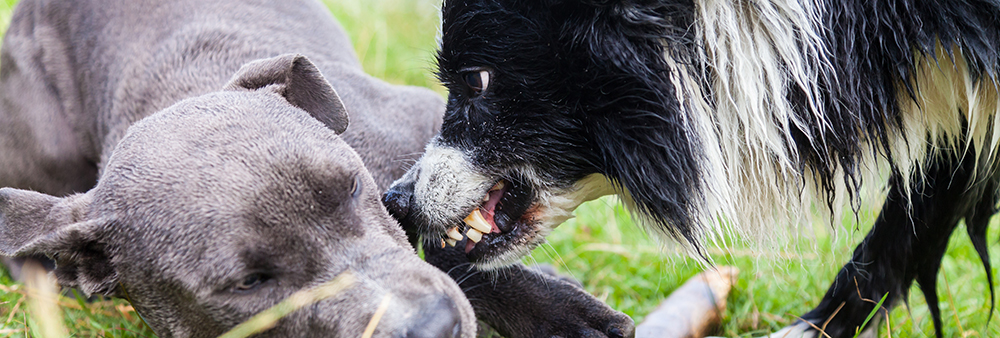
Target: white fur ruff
[(755, 50)]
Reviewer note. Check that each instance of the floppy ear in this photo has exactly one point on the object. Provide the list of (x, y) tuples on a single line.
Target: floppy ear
[(296, 79), (32, 223)]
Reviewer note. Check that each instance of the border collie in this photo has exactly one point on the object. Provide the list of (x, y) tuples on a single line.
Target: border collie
[(719, 117)]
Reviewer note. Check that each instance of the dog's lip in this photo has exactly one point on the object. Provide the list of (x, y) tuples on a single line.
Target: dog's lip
[(494, 244), (503, 206), (510, 231), (500, 224)]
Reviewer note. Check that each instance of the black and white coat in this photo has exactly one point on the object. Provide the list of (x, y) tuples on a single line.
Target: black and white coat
[(748, 111)]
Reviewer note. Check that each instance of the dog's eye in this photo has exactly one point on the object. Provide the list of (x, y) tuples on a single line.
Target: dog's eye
[(478, 81), (250, 282), (356, 187)]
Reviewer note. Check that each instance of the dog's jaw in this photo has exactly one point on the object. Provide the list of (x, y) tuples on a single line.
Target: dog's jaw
[(551, 209), (447, 187)]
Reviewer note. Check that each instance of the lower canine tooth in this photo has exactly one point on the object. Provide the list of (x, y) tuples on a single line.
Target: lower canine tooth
[(451, 242), (476, 221), (454, 234), (474, 235)]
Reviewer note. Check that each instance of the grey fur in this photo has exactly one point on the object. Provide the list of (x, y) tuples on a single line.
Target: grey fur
[(162, 175)]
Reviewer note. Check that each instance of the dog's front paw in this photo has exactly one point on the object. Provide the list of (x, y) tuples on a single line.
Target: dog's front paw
[(799, 329), (518, 301), (583, 315), (586, 318), (523, 302)]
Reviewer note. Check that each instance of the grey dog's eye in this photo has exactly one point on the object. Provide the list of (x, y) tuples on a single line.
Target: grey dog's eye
[(250, 282), (478, 81), (356, 187)]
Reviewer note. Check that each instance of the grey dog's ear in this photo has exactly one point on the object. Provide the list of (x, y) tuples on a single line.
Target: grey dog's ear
[(295, 78), (33, 223)]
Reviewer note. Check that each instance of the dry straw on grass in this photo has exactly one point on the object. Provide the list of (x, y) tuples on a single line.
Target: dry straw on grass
[(267, 319), (43, 301)]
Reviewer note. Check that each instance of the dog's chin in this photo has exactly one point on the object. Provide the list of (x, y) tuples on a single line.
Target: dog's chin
[(497, 250)]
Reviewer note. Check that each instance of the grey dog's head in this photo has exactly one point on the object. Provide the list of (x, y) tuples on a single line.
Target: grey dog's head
[(223, 205)]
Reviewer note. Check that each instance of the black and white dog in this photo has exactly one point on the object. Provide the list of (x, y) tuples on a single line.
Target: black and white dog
[(691, 109)]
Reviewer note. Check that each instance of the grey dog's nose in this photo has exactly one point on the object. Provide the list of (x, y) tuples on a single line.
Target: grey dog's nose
[(438, 318)]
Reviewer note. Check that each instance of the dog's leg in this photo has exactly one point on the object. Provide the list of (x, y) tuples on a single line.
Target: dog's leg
[(906, 243), (519, 301), (45, 140)]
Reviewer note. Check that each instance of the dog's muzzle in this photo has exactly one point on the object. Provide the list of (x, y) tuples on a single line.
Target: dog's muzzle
[(398, 199)]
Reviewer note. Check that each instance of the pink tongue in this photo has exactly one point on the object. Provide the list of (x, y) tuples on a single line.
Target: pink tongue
[(489, 209)]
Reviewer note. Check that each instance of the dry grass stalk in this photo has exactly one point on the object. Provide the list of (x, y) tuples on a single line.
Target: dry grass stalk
[(267, 319), (43, 300), (373, 323)]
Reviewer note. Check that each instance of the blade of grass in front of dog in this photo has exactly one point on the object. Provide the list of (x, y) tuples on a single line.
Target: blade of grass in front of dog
[(267, 319), (870, 315), (373, 323), (42, 300)]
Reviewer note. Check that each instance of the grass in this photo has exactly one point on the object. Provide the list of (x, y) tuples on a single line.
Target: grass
[(621, 265), (602, 247)]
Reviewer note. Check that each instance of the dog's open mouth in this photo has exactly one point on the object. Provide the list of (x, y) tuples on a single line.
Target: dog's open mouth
[(501, 220)]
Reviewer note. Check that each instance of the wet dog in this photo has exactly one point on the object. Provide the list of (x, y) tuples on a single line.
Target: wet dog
[(179, 156), (702, 111)]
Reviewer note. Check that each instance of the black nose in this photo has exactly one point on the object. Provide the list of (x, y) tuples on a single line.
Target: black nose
[(398, 199), (438, 318)]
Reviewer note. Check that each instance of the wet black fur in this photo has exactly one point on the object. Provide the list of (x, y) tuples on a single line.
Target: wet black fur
[(591, 93), (518, 301), (581, 87)]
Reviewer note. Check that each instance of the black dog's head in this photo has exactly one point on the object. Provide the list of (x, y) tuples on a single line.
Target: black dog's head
[(553, 103)]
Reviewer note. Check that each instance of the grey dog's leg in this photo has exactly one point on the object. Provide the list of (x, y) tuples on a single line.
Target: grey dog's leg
[(46, 141)]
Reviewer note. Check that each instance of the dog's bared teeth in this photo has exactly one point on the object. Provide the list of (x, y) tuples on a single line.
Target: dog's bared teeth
[(451, 242), (476, 221), (454, 234), (497, 186), (474, 235), (486, 198)]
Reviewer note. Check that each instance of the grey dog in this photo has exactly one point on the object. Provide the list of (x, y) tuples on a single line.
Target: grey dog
[(183, 155)]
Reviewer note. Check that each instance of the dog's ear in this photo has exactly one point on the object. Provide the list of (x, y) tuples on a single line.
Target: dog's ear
[(296, 79), (33, 223)]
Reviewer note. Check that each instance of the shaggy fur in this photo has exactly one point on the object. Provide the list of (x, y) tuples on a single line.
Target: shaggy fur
[(693, 108)]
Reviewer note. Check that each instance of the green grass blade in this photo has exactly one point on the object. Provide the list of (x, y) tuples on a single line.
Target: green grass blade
[(871, 315)]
